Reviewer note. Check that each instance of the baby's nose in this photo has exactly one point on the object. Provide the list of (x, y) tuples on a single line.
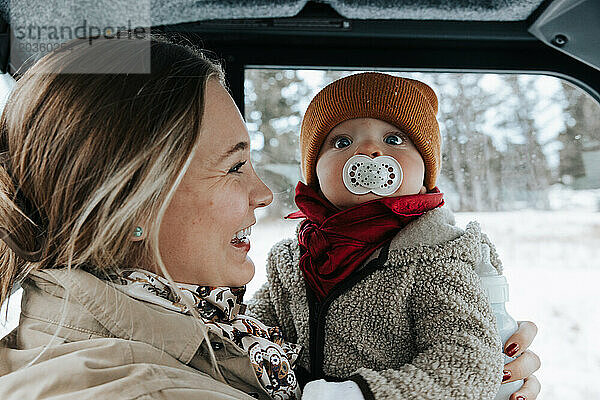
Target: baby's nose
[(370, 149)]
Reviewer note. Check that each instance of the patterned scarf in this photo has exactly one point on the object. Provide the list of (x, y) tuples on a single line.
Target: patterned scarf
[(221, 309), (335, 242)]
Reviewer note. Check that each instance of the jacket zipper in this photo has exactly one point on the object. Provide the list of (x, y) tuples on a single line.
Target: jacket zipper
[(318, 312)]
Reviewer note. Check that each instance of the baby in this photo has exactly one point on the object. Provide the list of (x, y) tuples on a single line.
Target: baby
[(380, 285)]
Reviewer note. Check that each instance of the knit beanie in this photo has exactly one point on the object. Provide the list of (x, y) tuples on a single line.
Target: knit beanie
[(408, 104)]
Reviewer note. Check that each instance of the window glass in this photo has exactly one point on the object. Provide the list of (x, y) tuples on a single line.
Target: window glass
[(521, 155)]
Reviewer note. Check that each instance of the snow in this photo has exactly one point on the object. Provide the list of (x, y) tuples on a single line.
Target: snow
[(550, 259)]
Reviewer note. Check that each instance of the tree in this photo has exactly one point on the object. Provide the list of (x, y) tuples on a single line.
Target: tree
[(527, 165), (273, 114), (581, 131), (470, 159)]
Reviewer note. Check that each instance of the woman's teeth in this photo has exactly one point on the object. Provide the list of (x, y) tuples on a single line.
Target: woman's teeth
[(243, 234)]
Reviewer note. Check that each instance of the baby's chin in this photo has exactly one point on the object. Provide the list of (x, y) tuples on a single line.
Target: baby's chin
[(351, 200)]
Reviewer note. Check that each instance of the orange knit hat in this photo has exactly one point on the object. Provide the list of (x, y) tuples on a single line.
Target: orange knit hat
[(406, 103)]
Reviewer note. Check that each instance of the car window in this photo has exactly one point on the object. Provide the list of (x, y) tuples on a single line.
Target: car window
[(521, 154)]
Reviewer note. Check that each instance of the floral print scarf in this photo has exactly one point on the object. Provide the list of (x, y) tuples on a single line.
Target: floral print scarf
[(222, 311)]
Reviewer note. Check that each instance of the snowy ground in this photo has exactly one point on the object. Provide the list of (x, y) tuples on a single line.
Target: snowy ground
[(552, 262)]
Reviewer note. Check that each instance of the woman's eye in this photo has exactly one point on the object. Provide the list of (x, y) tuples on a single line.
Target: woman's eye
[(236, 167), (393, 139), (342, 142)]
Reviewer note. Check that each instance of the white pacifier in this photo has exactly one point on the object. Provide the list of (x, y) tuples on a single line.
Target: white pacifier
[(380, 175)]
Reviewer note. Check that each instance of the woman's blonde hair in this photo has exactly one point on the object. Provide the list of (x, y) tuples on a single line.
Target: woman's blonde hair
[(95, 155)]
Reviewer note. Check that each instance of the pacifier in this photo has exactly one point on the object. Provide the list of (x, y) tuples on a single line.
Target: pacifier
[(380, 175)]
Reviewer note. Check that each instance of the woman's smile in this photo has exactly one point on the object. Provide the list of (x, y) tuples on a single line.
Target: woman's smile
[(241, 240)]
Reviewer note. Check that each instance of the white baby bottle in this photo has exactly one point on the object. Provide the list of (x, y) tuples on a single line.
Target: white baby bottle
[(496, 288)]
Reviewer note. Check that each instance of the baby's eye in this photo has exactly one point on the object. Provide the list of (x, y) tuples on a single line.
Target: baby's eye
[(393, 139), (342, 142)]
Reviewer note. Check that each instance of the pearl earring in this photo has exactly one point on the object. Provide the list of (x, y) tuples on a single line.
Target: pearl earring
[(138, 231)]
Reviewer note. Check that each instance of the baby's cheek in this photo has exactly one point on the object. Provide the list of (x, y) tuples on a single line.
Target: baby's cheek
[(332, 190), (410, 185)]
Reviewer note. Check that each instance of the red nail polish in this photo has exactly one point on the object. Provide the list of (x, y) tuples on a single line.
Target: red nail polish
[(521, 398), (512, 349), (506, 376)]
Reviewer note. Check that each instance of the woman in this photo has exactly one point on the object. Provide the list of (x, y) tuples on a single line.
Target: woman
[(101, 162)]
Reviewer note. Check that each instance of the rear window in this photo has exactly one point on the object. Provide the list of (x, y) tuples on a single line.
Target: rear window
[(521, 154)]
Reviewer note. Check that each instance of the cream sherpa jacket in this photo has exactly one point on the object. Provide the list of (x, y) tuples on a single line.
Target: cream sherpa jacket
[(413, 322)]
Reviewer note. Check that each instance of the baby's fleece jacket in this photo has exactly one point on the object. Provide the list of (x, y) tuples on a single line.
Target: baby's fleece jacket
[(411, 323)]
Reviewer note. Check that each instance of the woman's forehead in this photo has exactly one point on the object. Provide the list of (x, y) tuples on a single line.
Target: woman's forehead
[(223, 130)]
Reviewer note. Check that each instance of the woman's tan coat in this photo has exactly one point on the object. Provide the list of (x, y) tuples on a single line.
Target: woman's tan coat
[(112, 346)]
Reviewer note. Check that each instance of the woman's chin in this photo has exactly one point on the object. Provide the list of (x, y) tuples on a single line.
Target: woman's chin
[(240, 272)]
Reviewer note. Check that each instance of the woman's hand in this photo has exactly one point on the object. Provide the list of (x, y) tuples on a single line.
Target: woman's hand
[(527, 363)]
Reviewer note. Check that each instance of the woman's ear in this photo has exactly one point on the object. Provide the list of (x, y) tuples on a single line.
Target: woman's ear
[(423, 190), (138, 234)]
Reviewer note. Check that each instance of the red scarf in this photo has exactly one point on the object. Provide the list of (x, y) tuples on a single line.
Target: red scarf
[(335, 242)]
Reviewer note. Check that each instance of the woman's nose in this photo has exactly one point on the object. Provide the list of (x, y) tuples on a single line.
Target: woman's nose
[(262, 195), (369, 148)]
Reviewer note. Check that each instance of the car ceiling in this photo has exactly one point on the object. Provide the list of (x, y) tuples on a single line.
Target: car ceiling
[(506, 34), (181, 11)]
